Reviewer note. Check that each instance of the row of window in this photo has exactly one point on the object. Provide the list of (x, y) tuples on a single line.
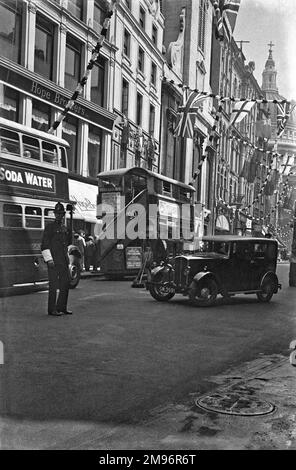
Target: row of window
[(14, 143), (17, 216), (45, 50), (78, 9), (141, 57), (139, 107)]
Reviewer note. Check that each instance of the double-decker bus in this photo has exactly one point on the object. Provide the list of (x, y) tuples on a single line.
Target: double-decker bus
[(139, 209), (33, 177)]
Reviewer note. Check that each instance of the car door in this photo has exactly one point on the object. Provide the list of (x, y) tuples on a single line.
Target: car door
[(258, 263), (241, 266)]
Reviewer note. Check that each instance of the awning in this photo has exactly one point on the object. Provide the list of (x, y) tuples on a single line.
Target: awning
[(222, 223), (85, 196)]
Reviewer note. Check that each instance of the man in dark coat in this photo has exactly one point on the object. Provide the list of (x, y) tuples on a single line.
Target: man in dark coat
[(54, 248)]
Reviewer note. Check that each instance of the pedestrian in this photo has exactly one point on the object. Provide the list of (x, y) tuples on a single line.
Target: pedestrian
[(54, 248), (79, 241), (97, 253), (90, 251)]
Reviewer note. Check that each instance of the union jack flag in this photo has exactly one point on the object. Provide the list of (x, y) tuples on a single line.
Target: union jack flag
[(224, 23), (283, 114), (287, 163), (187, 113)]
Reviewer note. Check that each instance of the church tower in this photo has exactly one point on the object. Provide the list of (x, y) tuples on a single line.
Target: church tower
[(269, 74)]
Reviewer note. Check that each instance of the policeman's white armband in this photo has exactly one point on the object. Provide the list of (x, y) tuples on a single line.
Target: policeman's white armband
[(46, 255)]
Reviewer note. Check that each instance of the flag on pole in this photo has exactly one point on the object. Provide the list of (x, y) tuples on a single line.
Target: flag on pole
[(185, 124), (226, 13), (240, 111)]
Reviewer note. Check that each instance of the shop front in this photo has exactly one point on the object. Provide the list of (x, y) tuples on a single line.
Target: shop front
[(84, 195)]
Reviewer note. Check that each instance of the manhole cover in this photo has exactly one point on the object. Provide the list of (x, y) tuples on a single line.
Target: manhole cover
[(235, 404)]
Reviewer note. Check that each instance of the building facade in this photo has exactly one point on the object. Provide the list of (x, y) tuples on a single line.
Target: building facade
[(234, 183), (187, 50), (281, 199), (137, 31)]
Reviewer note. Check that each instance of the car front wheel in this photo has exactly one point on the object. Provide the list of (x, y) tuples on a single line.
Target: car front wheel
[(203, 293), (162, 293), (267, 290)]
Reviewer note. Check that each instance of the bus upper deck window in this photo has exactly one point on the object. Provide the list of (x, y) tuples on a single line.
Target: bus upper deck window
[(9, 142), (63, 157), (31, 148), (50, 153), (12, 215), (166, 186), (33, 217)]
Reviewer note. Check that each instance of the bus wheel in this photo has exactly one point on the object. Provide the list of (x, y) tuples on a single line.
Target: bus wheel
[(203, 293), (161, 293), (75, 272)]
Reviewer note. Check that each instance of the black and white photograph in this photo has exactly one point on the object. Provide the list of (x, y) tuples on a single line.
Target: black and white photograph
[(147, 229)]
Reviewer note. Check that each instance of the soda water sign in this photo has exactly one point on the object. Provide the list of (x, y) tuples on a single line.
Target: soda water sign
[(30, 179)]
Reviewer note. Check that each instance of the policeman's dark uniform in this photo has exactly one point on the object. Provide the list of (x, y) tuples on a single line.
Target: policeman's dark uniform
[(54, 247)]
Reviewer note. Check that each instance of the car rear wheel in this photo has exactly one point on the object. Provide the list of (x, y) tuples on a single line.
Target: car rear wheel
[(203, 293), (267, 290), (161, 293)]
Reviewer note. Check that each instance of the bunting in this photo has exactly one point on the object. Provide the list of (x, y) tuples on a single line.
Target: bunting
[(223, 98)]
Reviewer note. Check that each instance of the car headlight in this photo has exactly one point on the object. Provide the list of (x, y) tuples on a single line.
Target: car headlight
[(186, 270)]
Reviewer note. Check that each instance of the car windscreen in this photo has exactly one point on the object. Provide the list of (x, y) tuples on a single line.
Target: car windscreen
[(209, 246)]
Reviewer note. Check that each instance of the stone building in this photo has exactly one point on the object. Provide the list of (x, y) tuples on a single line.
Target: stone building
[(233, 186), (137, 32), (187, 50)]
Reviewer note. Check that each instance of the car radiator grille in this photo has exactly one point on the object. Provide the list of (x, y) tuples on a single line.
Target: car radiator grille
[(180, 265)]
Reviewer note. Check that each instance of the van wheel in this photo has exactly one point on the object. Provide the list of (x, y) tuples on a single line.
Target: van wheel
[(161, 293), (267, 290), (203, 293), (75, 272)]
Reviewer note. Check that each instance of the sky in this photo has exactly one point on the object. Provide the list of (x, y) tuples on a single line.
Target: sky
[(265, 21)]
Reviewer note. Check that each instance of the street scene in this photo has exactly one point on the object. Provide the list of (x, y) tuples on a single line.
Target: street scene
[(147, 227)]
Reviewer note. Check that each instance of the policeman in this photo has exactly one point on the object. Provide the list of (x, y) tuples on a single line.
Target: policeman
[(55, 240)]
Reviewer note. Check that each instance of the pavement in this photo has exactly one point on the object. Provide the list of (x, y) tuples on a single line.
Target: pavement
[(268, 420)]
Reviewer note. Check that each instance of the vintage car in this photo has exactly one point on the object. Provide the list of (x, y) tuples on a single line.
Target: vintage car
[(225, 265)]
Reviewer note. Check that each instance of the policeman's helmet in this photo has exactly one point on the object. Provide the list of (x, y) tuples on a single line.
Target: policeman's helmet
[(59, 208)]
